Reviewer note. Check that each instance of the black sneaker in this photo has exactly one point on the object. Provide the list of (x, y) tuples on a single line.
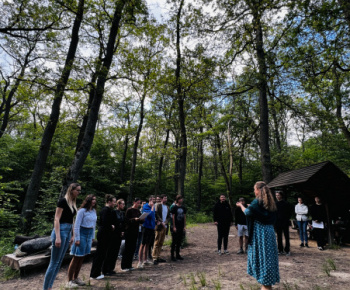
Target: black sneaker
[(302, 245), (160, 260), (155, 262), (179, 258), (306, 245)]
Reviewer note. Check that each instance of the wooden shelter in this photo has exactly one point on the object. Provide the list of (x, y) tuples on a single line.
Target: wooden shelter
[(323, 179)]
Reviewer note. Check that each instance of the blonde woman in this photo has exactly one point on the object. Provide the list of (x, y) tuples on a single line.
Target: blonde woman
[(262, 246), (61, 235)]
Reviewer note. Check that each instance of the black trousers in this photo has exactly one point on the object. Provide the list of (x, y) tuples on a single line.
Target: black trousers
[(223, 231), (130, 246), (176, 242), (112, 253), (104, 241), (283, 229), (319, 236)]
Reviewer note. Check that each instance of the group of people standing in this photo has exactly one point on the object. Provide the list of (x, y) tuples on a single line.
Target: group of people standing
[(154, 218)]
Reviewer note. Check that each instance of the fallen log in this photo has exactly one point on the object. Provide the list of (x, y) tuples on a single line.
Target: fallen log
[(32, 261)]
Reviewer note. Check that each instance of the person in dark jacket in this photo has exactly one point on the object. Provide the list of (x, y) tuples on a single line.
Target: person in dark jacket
[(319, 217), (282, 223), (223, 219), (241, 226), (105, 230), (118, 233)]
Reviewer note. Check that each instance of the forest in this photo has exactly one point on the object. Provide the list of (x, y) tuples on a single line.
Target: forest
[(136, 97)]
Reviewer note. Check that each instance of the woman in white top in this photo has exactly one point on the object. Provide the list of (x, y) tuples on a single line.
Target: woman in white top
[(301, 211)]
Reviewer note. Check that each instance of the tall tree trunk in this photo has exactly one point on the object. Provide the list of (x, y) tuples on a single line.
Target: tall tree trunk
[(200, 172), (91, 97), (338, 96), (264, 110), (181, 110), (89, 134), (176, 167), (231, 161), (222, 164), (35, 181), (123, 163), (161, 161), (134, 154)]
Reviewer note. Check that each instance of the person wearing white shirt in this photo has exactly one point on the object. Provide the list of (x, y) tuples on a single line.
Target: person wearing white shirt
[(301, 211)]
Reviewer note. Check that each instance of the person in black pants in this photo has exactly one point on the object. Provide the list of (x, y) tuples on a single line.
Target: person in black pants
[(282, 223), (116, 238), (132, 222), (105, 230), (223, 219), (319, 217), (178, 227)]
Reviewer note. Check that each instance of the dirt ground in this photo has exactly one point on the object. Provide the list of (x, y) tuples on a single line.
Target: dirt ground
[(203, 268)]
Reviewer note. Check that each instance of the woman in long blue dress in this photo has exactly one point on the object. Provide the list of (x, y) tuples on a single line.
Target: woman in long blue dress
[(262, 246)]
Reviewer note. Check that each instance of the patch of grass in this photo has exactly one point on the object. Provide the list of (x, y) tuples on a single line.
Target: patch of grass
[(202, 278), (108, 285), (219, 271), (7, 273), (198, 218), (334, 247), (217, 284), (326, 269), (184, 280), (331, 264)]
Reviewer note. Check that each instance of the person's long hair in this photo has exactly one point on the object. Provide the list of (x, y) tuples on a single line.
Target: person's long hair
[(266, 196), (88, 201), (71, 199)]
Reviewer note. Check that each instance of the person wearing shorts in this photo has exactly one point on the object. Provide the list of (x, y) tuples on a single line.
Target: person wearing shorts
[(147, 232), (241, 226)]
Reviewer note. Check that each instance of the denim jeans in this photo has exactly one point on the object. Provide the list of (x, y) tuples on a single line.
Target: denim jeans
[(57, 254), (302, 230)]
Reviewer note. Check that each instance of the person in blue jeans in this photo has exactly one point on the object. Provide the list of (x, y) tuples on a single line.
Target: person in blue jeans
[(301, 211), (61, 235)]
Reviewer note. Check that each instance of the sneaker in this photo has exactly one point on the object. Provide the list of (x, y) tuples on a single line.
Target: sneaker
[(179, 258), (226, 252), (302, 245), (79, 282), (288, 254), (132, 268), (160, 260), (140, 265), (306, 245), (126, 270), (240, 251), (320, 248), (71, 284), (173, 259), (147, 262), (98, 277), (219, 252), (155, 262), (280, 253)]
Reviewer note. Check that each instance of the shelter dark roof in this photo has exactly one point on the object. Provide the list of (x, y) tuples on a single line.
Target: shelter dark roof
[(297, 176), (324, 179)]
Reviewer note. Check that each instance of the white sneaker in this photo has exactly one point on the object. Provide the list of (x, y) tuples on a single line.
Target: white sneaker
[(226, 252), (140, 265), (126, 270), (219, 252), (98, 277), (79, 282), (147, 262), (71, 284)]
